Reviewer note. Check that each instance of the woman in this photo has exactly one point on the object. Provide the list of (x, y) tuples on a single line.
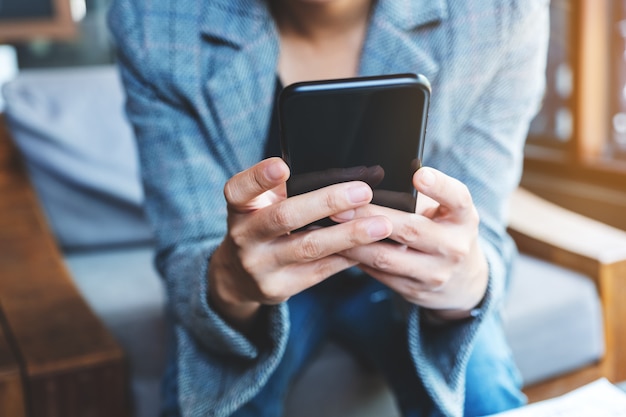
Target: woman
[(250, 301)]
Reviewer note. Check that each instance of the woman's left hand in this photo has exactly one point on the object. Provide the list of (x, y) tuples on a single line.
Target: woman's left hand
[(438, 263)]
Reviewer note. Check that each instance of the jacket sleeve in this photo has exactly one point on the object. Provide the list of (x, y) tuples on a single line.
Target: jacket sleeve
[(486, 154), (183, 180)]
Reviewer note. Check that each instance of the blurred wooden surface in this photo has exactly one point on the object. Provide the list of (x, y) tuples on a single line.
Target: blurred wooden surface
[(70, 364), (11, 392)]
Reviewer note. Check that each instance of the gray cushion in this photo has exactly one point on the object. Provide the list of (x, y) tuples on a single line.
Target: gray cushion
[(69, 124), (336, 385), (553, 320)]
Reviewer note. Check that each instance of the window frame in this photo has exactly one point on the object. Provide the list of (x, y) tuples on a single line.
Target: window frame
[(59, 27), (580, 174)]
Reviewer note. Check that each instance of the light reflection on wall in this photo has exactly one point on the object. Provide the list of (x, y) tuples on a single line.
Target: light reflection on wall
[(618, 91), (555, 122), (93, 46)]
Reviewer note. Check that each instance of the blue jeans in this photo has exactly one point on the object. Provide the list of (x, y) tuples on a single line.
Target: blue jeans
[(367, 322)]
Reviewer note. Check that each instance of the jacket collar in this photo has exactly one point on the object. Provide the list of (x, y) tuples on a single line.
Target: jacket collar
[(412, 14), (234, 22), (394, 43)]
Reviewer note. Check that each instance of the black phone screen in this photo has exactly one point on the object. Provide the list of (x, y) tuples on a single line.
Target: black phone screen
[(369, 129)]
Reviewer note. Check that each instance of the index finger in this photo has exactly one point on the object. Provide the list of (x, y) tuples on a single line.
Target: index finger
[(247, 185), (449, 192)]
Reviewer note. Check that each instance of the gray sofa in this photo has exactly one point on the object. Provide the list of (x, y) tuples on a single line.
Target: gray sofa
[(78, 147)]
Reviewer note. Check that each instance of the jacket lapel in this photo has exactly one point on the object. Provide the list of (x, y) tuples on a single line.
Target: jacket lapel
[(396, 42), (240, 89)]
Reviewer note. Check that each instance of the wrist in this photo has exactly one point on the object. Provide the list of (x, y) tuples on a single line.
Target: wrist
[(476, 301), (239, 315), (445, 316), (222, 298)]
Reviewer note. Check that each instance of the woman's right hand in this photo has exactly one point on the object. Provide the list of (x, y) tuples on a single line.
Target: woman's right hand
[(260, 262)]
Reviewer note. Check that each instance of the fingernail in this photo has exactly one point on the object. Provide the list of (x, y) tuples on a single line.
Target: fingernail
[(359, 194), (274, 172), (345, 215), (427, 178), (377, 229)]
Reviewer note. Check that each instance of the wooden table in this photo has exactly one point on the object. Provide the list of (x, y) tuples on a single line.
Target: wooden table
[(56, 357)]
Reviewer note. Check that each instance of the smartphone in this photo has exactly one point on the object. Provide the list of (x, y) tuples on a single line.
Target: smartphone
[(370, 129)]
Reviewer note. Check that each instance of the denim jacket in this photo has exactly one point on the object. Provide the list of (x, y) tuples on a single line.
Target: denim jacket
[(200, 78)]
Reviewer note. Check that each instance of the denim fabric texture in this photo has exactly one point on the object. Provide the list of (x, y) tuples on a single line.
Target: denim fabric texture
[(368, 323), (200, 78)]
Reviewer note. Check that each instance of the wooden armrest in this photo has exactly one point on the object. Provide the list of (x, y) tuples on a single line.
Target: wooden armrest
[(11, 393), (69, 363), (553, 233), (556, 234)]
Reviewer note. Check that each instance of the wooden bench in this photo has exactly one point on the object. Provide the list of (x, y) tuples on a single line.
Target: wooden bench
[(56, 357)]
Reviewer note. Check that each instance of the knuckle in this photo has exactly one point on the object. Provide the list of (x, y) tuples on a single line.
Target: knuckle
[(408, 233), (269, 292), (323, 270), (415, 295), (381, 260), (309, 248), (238, 236), (331, 202), (465, 198), (281, 215), (437, 280), (249, 265), (457, 252), (358, 234)]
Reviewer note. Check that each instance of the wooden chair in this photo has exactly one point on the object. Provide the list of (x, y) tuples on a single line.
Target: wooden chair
[(552, 233), (56, 357)]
